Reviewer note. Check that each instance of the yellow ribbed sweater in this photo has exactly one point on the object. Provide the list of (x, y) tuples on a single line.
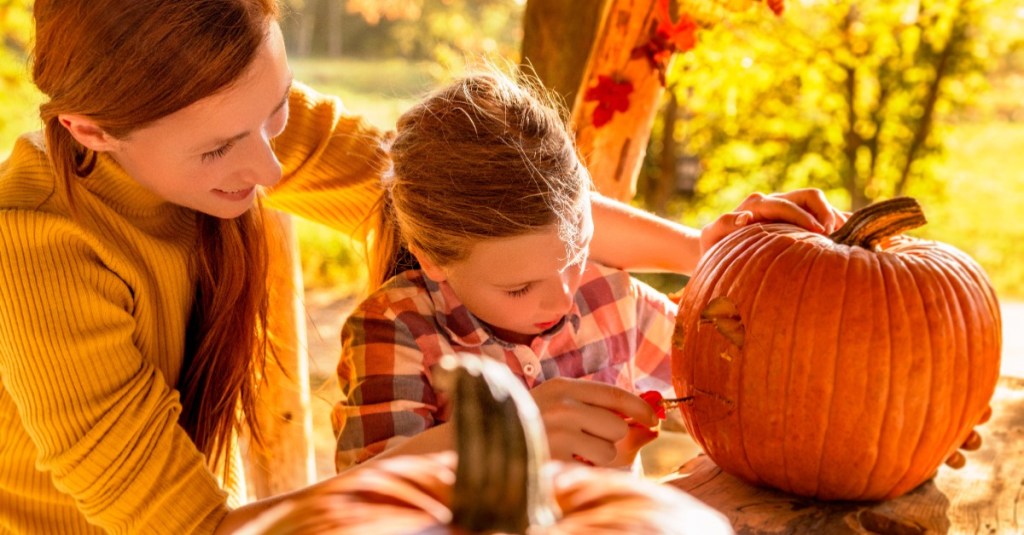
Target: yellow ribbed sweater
[(93, 310)]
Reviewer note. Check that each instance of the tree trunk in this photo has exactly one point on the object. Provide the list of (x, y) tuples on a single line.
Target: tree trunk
[(943, 68), (557, 36), (287, 462), (306, 28), (333, 27), (661, 189), (615, 150), (852, 141)]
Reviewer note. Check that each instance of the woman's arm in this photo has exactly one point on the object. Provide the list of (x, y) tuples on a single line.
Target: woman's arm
[(101, 418), (635, 240)]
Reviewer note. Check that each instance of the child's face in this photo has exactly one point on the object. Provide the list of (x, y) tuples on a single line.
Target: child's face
[(520, 286)]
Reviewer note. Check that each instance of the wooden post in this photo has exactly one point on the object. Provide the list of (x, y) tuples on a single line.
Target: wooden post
[(614, 151), (557, 38), (288, 461)]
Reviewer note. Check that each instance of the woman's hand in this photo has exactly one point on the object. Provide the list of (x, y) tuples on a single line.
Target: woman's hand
[(807, 208), (595, 422)]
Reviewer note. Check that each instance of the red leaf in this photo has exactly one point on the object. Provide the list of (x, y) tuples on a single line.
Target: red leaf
[(777, 6), (666, 39), (679, 36), (611, 96)]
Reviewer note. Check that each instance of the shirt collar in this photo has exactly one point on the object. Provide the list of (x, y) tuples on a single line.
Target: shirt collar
[(465, 329)]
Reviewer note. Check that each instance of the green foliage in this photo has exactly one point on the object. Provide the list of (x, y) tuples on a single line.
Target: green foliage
[(330, 259), (865, 99), (446, 32), (450, 30), (18, 97), (843, 95), (979, 210), (379, 90)]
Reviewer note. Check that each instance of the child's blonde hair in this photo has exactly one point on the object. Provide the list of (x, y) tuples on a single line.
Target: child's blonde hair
[(485, 157)]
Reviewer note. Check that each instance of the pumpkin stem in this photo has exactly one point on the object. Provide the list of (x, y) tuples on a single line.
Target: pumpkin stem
[(872, 224), (502, 450)]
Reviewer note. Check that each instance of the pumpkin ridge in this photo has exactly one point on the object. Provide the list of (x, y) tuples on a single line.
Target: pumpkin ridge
[(958, 428), (950, 310), (721, 260), (922, 461), (893, 422), (843, 422), (795, 477), (873, 419), (915, 408), (963, 299), (761, 375), (792, 264), (821, 446), (966, 269), (739, 363)]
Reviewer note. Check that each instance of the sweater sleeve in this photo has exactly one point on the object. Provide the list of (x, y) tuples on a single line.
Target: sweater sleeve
[(331, 163), (103, 420)]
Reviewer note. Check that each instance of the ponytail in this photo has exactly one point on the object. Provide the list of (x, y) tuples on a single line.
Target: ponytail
[(388, 255)]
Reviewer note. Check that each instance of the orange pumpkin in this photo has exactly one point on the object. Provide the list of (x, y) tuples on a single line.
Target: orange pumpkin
[(500, 481), (840, 367)]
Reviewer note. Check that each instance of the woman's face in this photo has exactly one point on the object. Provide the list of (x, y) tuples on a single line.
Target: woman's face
[(212, 155)]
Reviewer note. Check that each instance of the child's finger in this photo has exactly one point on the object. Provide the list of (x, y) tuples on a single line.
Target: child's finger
[(616, 399), (600, 423), (597, 451)]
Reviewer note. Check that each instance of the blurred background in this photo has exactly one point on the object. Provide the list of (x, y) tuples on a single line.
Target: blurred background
[(865, 99)]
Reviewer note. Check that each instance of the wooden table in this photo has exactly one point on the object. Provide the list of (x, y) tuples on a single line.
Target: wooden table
[(984, 497)]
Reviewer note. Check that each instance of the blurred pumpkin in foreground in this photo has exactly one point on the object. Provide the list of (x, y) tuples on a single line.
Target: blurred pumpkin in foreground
[(845, 367), (500, 481)]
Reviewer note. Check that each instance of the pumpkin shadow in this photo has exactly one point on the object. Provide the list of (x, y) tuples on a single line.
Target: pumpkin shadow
[(756, 510)]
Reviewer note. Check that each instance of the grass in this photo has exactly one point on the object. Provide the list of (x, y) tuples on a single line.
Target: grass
[(378, 90)]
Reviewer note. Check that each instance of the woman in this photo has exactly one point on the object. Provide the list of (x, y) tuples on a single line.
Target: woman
[(133, 303)]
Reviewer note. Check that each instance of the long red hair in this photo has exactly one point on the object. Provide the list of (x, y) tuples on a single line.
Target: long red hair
[(125, 65)]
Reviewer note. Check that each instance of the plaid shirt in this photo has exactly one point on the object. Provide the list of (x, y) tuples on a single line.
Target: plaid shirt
[(618, 332)]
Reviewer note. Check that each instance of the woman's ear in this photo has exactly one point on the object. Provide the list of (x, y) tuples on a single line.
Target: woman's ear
[(87, 133), (434, 271)]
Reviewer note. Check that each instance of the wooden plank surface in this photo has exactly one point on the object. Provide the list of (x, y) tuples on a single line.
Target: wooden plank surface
[(985, 497)]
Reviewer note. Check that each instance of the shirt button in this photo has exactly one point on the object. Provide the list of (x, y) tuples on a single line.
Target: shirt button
[(529, 369)]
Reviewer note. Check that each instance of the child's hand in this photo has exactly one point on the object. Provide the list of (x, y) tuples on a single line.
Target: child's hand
[(588, 420), (807, 208)]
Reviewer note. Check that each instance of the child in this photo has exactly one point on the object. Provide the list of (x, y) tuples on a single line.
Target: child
[(484, 231)]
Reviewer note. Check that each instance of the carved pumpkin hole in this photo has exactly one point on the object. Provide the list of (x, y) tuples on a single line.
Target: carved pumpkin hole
[(722, 312)]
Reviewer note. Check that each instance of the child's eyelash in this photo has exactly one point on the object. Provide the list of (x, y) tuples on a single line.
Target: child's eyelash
[(217, 153), (519, 292)]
